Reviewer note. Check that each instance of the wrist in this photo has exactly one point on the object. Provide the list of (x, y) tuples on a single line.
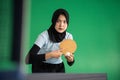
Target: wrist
[(48, 55)]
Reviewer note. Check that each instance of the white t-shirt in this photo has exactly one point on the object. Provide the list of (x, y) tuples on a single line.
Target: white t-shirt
[(46, 45)]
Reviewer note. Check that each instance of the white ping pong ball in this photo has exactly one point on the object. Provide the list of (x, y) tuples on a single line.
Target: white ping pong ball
[(67, 54)]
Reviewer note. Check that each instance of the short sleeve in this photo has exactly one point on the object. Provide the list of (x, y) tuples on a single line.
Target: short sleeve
[(41, 39), (69, 36)]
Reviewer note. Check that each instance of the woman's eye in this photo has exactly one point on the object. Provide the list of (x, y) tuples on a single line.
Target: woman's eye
[(64, 21), (58, 20)]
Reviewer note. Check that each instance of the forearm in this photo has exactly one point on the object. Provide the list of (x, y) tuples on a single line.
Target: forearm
[(48, 55), (53, 54), (32, 55), (70, 63)]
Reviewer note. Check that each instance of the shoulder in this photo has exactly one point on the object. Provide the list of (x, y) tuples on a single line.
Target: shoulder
[(42, 39), (44, 34), (68, 35)]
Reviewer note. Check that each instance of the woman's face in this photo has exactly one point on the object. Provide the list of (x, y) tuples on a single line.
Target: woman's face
[(61, 24)]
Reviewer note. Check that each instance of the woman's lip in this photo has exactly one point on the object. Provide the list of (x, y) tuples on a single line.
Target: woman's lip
[(60, 28)]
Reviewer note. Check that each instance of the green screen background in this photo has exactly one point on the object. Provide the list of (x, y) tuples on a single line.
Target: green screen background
[(95, 25), (6, 28)]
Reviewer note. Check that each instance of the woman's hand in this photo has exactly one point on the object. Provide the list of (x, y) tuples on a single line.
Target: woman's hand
[(69, 57), (53, 54), (56, 54)]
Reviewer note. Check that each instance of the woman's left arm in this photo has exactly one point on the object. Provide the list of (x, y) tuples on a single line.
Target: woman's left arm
[(70, 59)]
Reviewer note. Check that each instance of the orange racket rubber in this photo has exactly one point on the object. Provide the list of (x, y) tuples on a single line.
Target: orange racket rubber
[(68, 46)]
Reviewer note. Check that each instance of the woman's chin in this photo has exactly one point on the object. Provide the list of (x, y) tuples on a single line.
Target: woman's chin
[(61, 31)]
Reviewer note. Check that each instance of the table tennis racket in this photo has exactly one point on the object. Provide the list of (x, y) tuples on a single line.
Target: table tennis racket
[(68, 46)]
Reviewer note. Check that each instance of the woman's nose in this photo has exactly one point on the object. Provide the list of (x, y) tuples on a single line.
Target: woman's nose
[(61, 24)]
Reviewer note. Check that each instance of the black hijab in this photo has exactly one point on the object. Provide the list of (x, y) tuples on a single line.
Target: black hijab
[(53, 34)]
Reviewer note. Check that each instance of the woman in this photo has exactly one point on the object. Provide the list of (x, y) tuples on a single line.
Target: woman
[(45, 55)]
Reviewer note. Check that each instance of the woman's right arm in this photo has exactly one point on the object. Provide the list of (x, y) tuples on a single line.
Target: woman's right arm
[(32, 56)]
